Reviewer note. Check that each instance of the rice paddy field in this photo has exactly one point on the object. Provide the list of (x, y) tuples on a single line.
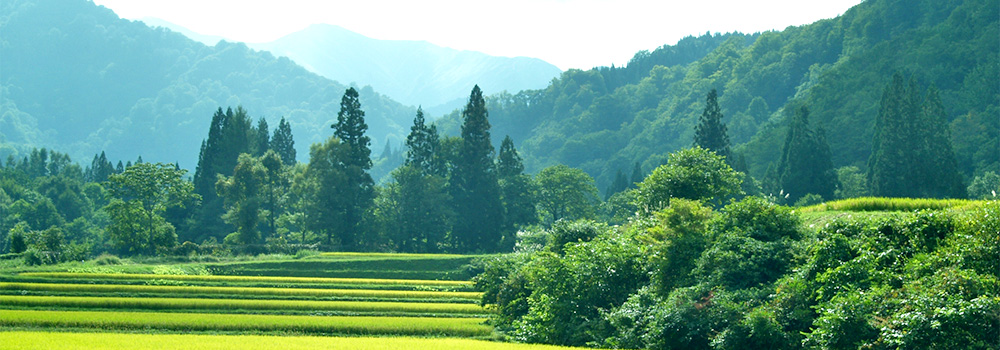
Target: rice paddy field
[(329, 301)]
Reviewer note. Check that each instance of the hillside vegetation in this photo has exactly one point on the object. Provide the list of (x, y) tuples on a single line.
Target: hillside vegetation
[(604, 120), (78, 78)]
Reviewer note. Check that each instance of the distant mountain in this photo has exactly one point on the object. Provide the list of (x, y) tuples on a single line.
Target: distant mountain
[(76, 78), (209, 40), (605, 119), (411, 72)]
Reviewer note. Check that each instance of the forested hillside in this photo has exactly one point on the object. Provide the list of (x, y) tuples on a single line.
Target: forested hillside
[(76, 77), (606, 119)]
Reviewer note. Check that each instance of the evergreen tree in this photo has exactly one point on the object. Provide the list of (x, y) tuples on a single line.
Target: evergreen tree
[(422, 146), (418, 210), (229, 135), (282, 142), (940, 177), (620, 183), (262, 141), (474, 187), (888, 163), (805, 166), (710, 133), (100, 168), (911, 150), (637, 176), (120, 168), (350, 130), (516, 190)]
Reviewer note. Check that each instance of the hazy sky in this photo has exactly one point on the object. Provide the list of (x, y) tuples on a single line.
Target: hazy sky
[(567, 33)]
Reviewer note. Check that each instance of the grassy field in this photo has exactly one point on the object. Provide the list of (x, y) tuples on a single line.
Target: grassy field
[(21, 340), (409, 300), (242, 323), (249, 279), (235, 291), (238, 305)]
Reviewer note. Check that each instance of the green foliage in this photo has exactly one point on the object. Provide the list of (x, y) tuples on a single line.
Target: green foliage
[(694, 173), (985, 186), (473, 183), (911, 152), (805, 166), (283, 143), (851, 183), (682, 236), (322, 188), (142, 194), (564, 232), (565, 193), (710, 133), (416, 210)]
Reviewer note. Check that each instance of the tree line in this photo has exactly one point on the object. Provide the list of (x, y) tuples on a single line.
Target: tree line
[(451, 194)]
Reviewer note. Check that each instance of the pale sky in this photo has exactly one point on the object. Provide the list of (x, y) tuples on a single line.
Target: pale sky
[(567, 33)]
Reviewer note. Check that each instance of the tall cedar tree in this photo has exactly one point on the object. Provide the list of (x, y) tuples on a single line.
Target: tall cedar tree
[(476, 194), (941, 178), (515, 193), (805, 166), (710, 133), (422, 146), (282, 142), (911, 151), (420, 213), (262, 138), (350, 130), (228, 136)]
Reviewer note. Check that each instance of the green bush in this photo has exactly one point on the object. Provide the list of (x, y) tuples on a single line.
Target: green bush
[(107, 259)]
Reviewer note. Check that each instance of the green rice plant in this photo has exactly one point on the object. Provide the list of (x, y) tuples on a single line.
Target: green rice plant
[(250, 279), (21, 340), (890, 204), (237, 304), (360, 266), (187, 322), (237, 291), (354, 255)]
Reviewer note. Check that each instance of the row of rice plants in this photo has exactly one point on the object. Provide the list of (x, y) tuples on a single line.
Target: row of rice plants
[(24, 340), (240, 291), (890, 204), (251, 279), (231, 305), (362, 266), (185, 322)]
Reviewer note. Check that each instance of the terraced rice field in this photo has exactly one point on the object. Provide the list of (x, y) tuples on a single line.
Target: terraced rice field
[(310, 304)]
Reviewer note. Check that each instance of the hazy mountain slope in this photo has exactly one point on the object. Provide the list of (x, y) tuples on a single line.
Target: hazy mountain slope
[(412, 72), (84, 80), (209, 40), (603, 120)]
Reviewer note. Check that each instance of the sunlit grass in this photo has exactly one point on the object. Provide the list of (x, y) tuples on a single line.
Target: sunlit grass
[(252, 279), (890, 204), (224, 305), (85, 341), (238, 291), (186, 322)]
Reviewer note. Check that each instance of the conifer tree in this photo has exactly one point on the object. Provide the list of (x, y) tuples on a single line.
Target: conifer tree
[(637, 175), (283, 143), (360, 191), (262, 137), (422, 146), (100, 168), (474, 187), (805, 166), (515, 193), (228, 137), (710, 133), (620, 183), (940, 177), (911, 150)]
